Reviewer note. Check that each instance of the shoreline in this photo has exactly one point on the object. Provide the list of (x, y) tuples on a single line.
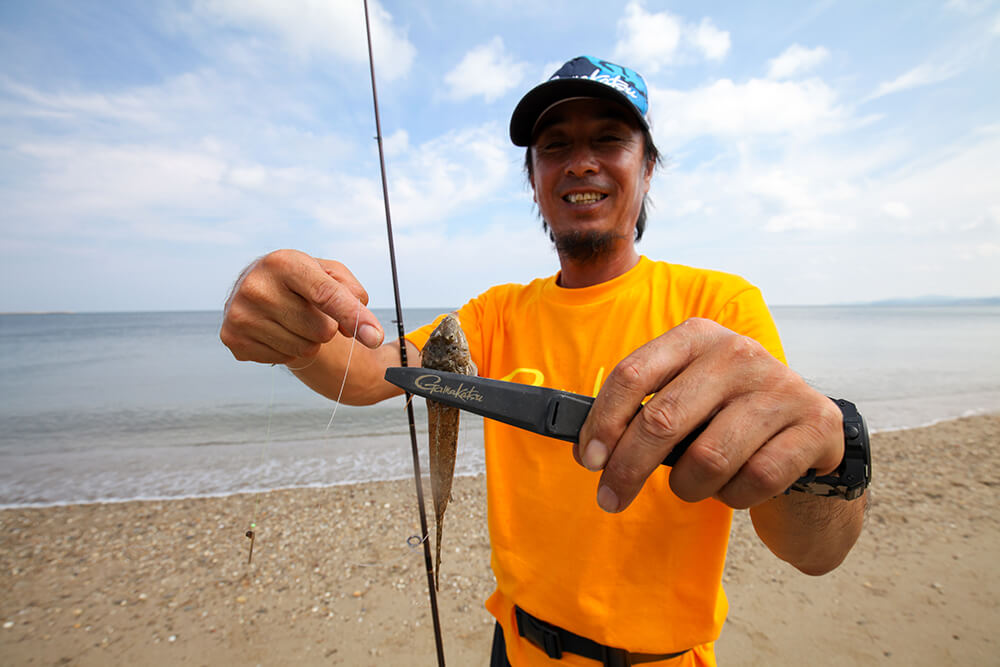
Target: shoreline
[(333, 581), (984, 412)]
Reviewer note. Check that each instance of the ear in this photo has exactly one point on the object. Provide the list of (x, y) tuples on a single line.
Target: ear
[(647, 175), (531, 181)]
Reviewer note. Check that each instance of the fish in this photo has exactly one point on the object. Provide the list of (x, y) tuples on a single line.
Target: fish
[(446, 350)]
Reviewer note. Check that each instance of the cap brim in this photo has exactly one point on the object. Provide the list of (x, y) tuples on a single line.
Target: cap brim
[(544, 95)]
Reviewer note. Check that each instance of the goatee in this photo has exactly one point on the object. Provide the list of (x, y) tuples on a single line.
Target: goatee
[(584, 247)]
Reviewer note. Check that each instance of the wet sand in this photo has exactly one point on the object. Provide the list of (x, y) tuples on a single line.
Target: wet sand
[(333, 580)]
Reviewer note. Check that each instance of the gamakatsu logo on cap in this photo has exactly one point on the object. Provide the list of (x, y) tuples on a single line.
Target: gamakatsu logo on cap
[(616, 82)]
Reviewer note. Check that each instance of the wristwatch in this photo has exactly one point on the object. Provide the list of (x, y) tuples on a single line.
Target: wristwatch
[(854, 473)]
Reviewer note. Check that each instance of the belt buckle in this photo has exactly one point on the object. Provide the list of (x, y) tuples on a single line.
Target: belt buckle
[(541, 635), (552, 644), (615, 657)]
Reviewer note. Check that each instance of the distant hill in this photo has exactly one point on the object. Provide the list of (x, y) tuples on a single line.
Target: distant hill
[(934, 300)]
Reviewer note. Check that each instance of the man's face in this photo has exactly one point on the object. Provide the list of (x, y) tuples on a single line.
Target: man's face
[(588, 170)]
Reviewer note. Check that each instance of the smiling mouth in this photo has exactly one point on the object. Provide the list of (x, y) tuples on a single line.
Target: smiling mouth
[(584, 197)]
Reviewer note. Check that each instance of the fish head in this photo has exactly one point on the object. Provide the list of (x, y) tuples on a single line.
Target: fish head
[(450, 331), (447, 348)]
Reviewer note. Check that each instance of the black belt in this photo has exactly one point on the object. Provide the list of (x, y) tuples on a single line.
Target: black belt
[(555, 641)]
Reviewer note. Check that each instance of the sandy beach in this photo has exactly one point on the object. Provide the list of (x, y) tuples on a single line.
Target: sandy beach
[(333, 581)]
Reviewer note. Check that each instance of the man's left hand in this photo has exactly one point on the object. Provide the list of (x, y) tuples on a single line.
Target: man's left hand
[(766, 426)]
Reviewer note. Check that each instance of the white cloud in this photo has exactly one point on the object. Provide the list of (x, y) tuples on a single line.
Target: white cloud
[(134, 192), (318, 28), (795, 60), (759, 106), (952, 189), (647, 41), (985, 250), (101, 179), (486, 70), (712, 42), (968, 6), (895, 209), (817, 197), (141, 106), (249, 178), (396, 143), (202, 194), (428, 183), (457, 170), (922, 75)]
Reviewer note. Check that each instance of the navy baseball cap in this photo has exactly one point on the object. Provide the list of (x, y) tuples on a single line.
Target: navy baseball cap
[(580, 77)]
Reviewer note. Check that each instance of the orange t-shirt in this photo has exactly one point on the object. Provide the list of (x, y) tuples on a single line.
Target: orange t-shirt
[(647, 579)]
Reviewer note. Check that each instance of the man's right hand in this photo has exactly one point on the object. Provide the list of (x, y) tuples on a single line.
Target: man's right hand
[(287, 304)]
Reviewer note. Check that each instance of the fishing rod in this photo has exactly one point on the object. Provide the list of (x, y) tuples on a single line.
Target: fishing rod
[(428, 563)]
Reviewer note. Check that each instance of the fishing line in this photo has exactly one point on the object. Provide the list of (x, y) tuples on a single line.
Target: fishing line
[(251, 531), (412, 542), (350, 353)]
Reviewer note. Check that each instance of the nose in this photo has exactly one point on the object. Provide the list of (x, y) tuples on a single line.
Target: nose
[(581, 161)]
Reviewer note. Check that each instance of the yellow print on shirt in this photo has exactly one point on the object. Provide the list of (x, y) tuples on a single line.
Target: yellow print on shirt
[(536, 378)]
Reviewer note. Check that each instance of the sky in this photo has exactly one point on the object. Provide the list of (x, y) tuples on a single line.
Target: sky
[(829, 152)]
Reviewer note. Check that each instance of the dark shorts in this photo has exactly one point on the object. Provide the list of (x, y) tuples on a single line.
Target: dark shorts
[(498, 654)]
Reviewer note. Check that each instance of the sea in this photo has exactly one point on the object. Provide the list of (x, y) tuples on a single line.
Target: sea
[(107, 407)]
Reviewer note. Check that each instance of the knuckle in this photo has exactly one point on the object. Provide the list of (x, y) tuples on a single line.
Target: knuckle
[(236, 344), (660, 419), (784, 382), (253, 289), (326, 292), (742, 348), (278, 259), (699, 326), (764, 475), (227, 337), (338, 268), (818, 421), (829, 417), (627, 376), (238, 320), (693, 323), (709, 458)]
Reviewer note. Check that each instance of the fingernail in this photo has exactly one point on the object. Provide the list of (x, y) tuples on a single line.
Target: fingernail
[(607, 499), (369, 335), (595, 455)]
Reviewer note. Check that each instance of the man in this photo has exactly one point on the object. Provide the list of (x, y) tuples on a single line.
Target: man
[(634, 577)]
